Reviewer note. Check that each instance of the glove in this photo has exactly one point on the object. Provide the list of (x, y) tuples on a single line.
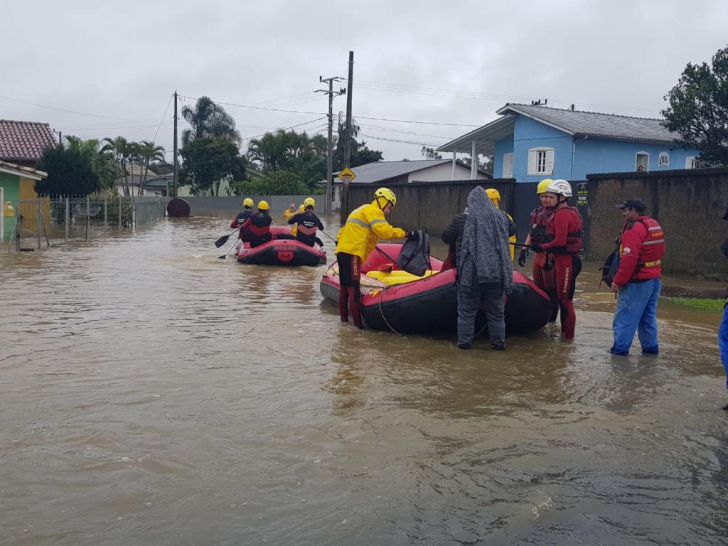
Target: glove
[(549, 265), (411, 235), (522, 257), (536, 247), (724, 248)]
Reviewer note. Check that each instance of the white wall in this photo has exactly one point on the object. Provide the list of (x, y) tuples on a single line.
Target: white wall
[(442, 173)]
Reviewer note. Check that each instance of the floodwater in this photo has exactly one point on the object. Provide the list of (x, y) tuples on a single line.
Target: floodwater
[(154, 394)]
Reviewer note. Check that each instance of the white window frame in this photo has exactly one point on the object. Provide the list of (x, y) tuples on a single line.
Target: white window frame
[(666, 157), (508, 162), (691, 162), (636, 158), (540, 161)]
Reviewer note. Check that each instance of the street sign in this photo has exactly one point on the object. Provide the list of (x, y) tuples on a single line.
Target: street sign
[(345, 174)]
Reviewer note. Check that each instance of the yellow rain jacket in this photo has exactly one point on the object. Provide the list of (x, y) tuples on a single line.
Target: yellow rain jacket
[(287, 214), (512, 238), (363, 229)]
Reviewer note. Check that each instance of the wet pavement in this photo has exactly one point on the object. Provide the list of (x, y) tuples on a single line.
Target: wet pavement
[(154, 394)]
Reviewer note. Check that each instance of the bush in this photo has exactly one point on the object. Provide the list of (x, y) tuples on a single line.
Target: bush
[(275, 183), (70, 172)]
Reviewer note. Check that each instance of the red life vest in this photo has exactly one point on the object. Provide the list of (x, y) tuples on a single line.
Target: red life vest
[(574, 235), (649, 262), (539, 220)]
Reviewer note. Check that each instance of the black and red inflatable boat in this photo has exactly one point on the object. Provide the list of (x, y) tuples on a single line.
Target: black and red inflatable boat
[(393, 299), (281, 251)]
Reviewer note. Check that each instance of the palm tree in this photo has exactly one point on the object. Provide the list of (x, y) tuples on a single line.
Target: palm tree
[(208, 120), (102, 160), (119, 147), (149, 152)]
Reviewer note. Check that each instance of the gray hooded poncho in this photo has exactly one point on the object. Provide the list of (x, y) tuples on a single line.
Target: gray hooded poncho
[(485, 256)]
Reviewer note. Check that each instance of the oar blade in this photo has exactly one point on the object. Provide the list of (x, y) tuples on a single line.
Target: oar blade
[(222, 240)]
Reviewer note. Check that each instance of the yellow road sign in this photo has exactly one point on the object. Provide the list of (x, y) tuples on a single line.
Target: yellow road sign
[(346, 173)]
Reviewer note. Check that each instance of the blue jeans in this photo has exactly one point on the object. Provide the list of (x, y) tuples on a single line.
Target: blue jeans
[(723, 342), (637, 312)]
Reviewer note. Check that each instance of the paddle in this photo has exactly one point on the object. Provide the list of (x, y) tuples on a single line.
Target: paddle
[(222, 240), (229, 249)]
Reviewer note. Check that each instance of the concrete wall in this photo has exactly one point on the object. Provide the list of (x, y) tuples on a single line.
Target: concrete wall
[(431, 205), (689, 204), (230, 206)]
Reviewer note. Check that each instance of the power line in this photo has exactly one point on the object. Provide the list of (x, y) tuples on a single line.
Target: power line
[(71, 111), (163, 116)]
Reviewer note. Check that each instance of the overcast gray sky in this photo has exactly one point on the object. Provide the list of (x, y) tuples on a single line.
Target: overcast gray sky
[(113, 66)]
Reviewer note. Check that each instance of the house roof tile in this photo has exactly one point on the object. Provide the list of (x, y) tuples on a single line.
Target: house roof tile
[(24, 140), (595, 124)]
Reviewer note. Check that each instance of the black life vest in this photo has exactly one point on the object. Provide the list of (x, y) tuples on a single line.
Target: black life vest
[(258, 231), (539, 220), (308, 224)]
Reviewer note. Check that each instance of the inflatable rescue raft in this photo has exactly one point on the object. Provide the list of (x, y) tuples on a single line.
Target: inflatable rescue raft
[(392, 299), (281, 251)]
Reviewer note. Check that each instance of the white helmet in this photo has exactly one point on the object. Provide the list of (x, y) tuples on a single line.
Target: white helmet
[(560, 187)]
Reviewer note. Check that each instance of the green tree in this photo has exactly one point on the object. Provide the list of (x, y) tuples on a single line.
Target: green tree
[(360, 153), (293, 152), (698, 110), (208, 120), (121, 150), (148, 152), (209, 161), (430, 153), (70, 172), (102, 161), (273, 183)]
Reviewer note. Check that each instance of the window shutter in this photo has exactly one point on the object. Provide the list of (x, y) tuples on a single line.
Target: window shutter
[(532, 161), (549, 162)]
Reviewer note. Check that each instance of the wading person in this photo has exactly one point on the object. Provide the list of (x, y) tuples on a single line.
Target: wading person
[(494, 196), (723, 331), (243, 214), (256, 229), (307, 223), (563, 243), (637, 281), (485, 270), (543, 275), (356, 240)]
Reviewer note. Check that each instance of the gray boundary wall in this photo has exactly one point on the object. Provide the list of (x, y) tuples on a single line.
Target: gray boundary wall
[(230, 206), (430, 205), (689, 204)]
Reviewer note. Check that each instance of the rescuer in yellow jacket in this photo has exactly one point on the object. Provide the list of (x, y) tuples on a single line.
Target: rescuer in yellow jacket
[(494, 195), (356, 240)]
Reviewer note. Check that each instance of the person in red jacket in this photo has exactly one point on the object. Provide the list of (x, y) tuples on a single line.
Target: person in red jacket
[(638, 280), (563, 242)]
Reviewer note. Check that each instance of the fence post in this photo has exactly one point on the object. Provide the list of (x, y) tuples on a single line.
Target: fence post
[(39, 211), (120, 213), (106, 214), (67, 217)]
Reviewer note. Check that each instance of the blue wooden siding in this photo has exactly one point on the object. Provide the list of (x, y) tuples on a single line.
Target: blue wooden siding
[(528, 134), (614, 156), (502, 147)]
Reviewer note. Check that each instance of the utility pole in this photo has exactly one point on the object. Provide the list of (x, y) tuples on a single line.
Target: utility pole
[(330, 154), (174, 186), (347, 143)]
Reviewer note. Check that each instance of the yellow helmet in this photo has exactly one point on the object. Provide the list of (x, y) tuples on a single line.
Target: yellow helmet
[(309, 202), (493, 195), (387, 194), (248, 202), (263, 205), (543, 186), (302, 208)]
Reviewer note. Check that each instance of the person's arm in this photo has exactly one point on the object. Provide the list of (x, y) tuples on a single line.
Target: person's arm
[(234, 224), (293, 219), (511, 227), (245, 226), (383, 229), (632, 239), (450, 233)]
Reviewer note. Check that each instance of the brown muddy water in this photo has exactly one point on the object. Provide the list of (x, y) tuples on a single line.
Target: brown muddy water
[(154, 394)]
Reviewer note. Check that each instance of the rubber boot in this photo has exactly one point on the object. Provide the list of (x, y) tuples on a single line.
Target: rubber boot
[(553, 296), (344, 303)]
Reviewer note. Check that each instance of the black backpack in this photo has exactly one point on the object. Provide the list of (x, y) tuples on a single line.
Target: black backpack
[(610, 267), (414, 257)]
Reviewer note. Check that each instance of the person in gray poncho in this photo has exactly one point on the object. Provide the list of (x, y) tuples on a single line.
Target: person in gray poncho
[(485, 271)]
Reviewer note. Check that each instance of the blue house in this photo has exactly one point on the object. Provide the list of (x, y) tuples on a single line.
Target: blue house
[(533, 142)]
